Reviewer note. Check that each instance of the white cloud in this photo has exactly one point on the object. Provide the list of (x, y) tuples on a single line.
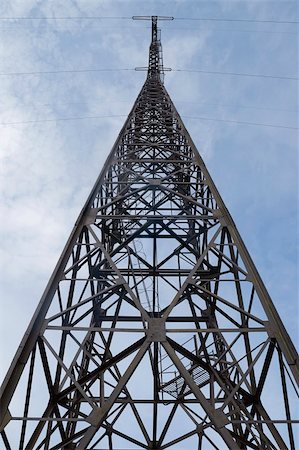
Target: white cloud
[(48, 169)]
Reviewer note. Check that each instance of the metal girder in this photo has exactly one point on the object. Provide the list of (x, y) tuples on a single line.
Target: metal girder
[(155, 329)]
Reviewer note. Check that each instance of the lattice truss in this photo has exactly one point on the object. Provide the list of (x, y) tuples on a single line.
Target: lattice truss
[(155, 331)]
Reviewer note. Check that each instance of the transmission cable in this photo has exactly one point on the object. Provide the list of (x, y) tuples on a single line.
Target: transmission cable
[(11, 26), (240, 74), (183, 102), (124, 115), (63, 71), (242, 122), (214, 19), (223, 105), (227, 30), (169, 28), (62, 119), (68, 18)]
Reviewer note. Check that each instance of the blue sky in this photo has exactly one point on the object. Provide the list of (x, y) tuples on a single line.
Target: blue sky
[(48, 168)]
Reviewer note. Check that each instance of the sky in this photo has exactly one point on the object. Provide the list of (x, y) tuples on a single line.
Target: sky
[(56, 129)]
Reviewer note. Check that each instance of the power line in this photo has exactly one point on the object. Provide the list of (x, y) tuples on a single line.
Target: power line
[(238, 20), (229, 30), (130, 69), (61, 119), (216, 19), (202, 104), (11, 26), (123, 115), (68, 18), (221, 105), (242, 122), (239, 74), (63, 71)]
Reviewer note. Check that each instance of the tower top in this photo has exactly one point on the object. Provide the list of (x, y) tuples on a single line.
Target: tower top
[(155, 69)]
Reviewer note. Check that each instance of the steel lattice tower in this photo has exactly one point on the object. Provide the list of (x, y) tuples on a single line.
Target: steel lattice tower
[(155, 330)]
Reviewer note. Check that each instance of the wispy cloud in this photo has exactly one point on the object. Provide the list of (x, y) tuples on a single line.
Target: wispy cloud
[(48, 169)]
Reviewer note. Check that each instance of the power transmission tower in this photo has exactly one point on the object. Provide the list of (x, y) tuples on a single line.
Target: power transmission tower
[(155, 330)]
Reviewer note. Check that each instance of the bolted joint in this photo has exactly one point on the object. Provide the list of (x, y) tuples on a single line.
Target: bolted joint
[(156, 331), (199, 429), (220, 419)]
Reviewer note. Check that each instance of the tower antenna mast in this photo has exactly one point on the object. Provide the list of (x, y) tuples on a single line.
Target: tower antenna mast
[(155, 330)]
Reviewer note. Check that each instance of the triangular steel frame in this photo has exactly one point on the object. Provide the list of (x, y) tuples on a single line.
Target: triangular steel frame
[(155, 329)]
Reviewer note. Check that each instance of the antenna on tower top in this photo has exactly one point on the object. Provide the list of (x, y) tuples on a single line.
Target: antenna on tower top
[(152, 17), (155, 69)]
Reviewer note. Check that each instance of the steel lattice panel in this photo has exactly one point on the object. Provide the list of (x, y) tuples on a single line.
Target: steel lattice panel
[(155, 330)]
